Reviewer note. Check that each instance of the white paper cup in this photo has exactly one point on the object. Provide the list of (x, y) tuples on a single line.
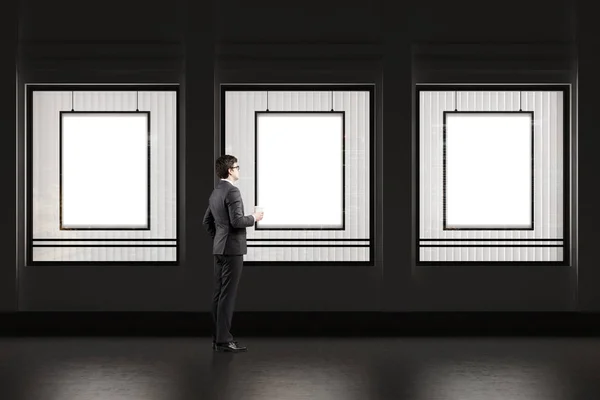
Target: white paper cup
[(258, 209)]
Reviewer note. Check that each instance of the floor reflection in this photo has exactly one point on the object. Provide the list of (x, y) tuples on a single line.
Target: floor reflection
[(487, 380), (290, 369)]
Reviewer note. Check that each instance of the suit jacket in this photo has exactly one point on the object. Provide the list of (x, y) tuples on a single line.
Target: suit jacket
[(225, 221)]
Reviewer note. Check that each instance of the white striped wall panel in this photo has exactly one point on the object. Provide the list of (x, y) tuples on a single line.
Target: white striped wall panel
[(548, 176), (240, 109), (163, 194)]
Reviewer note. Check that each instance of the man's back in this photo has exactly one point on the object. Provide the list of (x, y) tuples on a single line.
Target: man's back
[(225, 214)]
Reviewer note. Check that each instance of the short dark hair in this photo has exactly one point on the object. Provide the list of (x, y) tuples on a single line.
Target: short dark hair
[(223, 164)]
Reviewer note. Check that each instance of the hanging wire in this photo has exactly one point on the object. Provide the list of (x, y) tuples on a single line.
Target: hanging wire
[(72, 100), (267, 100), (332, 100), (137, 105), (520, 100), (455, 101)]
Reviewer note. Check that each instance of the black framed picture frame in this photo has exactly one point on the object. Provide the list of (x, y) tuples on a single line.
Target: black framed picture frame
[(445, 181), (63, 114)]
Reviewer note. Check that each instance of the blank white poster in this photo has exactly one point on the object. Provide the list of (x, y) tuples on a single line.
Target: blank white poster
[(105, 170), (489, 170), (300, 170)]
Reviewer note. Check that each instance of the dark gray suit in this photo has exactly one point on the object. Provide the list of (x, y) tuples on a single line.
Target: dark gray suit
[(225, 221)]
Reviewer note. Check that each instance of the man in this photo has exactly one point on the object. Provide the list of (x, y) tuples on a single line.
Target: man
[(225, 221)]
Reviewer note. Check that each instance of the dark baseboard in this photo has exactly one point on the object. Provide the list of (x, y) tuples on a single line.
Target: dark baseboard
[(302, 324)]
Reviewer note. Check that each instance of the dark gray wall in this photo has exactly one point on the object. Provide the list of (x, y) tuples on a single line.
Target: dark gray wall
[(8, 125), (394, 45), (589, 143)]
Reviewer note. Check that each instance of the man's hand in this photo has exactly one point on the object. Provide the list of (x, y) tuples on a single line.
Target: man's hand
[(258, 216)]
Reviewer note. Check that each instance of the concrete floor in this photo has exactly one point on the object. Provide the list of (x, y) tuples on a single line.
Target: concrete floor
[(455, 368)]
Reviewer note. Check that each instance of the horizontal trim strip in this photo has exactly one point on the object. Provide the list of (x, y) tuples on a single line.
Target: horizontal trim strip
[(100, 87), (450, 229), (101, 263), (308, 245), (492, 245), (103, 240), (490, 240), (104, 245), (498, 87), (299, 87), (303, 263), (309, 240)]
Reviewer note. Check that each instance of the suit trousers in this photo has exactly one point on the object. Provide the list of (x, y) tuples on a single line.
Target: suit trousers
[(227, 273)]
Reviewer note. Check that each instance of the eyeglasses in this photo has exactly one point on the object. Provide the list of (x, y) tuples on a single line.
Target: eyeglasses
[(237, 166)]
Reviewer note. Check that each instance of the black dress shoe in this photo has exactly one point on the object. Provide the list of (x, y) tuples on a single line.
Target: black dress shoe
[(231, 347), (214, 345)]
